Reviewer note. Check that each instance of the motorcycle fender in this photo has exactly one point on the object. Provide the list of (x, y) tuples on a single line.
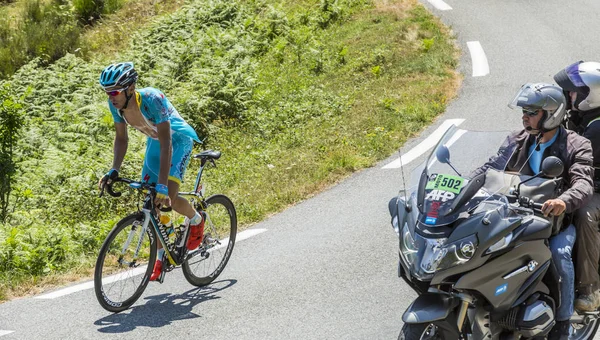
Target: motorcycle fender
[(430, 307), (398, 212)]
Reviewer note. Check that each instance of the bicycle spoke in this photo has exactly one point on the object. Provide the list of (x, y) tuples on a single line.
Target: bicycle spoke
[(220, 227), (123, 259)]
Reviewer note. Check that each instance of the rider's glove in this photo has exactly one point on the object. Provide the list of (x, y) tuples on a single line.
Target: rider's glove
[(162, 191), (110, 175)]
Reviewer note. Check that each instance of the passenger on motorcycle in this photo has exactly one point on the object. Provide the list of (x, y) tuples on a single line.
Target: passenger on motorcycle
[(581, 85), (544, 107)]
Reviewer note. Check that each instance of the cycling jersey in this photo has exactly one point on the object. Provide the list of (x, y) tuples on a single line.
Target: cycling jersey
[(156, 108)]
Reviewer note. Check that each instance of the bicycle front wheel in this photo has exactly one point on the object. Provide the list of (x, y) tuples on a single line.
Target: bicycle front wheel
[(220, 229), (125, 263)]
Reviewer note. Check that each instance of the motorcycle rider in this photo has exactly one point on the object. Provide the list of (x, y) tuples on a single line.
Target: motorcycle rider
[(581, 85), (544, 107)]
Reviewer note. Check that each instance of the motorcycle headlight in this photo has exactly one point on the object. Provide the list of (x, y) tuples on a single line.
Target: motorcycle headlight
[(408, 247), (439, 256)]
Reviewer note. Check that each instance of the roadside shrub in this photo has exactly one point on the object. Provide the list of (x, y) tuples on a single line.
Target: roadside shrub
[(88, 11)]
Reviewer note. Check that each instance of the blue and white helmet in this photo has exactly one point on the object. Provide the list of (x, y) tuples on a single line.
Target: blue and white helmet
[(583, 78), (118, 75)]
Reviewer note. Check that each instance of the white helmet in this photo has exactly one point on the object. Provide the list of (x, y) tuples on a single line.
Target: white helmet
[(583, 78), (542, 96)]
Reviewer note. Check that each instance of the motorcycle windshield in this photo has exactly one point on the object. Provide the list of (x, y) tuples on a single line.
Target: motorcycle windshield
[(447, 181)]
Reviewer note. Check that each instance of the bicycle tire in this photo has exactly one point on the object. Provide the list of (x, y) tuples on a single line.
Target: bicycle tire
[(110, 262), (220, 225)]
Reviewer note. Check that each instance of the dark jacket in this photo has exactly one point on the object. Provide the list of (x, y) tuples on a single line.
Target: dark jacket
[(587, 124), (575, 152)]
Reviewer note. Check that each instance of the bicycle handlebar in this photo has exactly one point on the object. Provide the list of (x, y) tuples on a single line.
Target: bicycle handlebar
[(134, 185), (140, 186)]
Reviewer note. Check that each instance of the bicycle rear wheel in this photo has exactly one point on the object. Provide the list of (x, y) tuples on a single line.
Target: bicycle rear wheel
[(125, 263), (220, 229)]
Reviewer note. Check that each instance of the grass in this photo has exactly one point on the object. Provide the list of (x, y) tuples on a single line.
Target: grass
[(112, 34)]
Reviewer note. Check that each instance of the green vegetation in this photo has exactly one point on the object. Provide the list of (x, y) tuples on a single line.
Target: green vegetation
[(11, 121), (297, 95), (46, 29)]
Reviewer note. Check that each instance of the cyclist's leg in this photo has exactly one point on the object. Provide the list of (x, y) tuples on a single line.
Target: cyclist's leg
[(180, 204), (150, 175), (182, 150), (180, 158)]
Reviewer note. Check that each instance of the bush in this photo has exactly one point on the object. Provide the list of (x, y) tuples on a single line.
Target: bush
[(88, 11), (11, 121), (47, 30)]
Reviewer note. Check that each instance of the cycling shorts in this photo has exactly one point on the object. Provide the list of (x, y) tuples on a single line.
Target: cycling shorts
[(182, 149)]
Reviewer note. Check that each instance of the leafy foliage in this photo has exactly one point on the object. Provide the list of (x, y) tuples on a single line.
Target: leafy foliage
[(88, 11), (46, 30), (11, 120)]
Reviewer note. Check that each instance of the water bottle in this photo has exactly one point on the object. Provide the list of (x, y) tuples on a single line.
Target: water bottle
[(165, 220)]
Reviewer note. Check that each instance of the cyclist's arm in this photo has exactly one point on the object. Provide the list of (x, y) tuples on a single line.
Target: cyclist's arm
[(120, 145), (164, 137)]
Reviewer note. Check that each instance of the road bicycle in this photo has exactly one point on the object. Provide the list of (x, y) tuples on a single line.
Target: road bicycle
[(127, 256)]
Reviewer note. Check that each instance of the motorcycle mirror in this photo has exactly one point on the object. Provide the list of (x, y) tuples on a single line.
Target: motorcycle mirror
[(552, 167), (442, 154)]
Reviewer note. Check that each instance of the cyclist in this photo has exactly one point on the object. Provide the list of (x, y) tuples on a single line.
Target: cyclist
[(581, 85), (544, 107), (168, 148)]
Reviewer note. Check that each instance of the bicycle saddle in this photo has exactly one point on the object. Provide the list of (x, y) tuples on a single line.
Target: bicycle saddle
[(208, 154)]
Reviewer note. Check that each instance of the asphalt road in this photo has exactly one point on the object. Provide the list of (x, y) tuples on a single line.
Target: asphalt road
[(326, 268)]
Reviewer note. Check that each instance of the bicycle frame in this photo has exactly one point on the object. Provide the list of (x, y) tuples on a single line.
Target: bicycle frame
[(198, 193), (198, 189)]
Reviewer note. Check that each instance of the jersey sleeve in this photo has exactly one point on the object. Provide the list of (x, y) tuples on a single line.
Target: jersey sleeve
[(115, 113)]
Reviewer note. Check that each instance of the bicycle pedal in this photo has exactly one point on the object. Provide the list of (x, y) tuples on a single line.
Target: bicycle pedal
[(161, 278)]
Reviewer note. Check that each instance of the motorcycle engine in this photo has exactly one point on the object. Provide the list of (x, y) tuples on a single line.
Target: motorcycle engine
[(532, 318)]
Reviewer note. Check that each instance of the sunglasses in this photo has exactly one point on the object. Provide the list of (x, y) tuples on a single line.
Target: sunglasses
[(114, 93), (530, 113)]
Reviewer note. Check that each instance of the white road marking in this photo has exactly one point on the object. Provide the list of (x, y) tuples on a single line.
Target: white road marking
[(140, 270), (5, 332), (425, 145), (439, 4), (480, 63)]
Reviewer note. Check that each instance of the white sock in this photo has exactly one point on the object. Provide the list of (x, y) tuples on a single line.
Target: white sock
[(160, 254), (197, 219)]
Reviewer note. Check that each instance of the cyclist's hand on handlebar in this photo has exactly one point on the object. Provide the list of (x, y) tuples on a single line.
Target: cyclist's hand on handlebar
[(554, 207), (162, 195), (107, 178)]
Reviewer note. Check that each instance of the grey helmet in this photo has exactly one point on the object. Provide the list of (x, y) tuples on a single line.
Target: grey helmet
[(547, 97), (583, 78)]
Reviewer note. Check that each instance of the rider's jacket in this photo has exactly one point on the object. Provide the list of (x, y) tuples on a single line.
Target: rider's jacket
[(587, 124), (575, 152)]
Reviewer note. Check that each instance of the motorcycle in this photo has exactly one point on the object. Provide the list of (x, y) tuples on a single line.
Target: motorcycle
[(474, 245)]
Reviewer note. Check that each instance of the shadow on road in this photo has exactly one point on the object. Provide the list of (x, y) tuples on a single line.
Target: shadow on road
[(161, 310)]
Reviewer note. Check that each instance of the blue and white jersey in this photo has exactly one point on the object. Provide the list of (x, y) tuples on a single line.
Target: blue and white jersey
[(156, 108)]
